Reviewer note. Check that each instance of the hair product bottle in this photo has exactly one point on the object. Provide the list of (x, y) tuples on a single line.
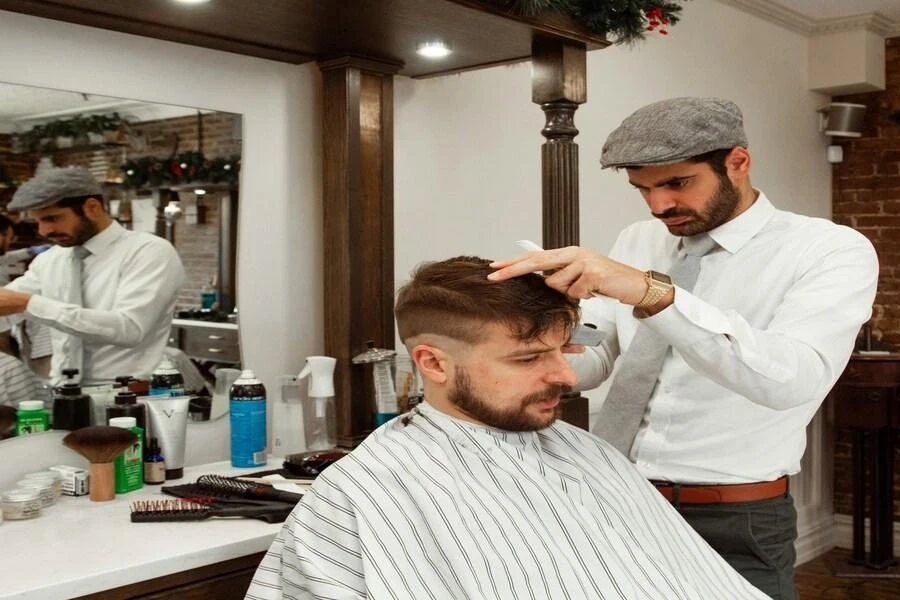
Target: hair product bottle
[(129, 465), (154, 465), (248, 421)]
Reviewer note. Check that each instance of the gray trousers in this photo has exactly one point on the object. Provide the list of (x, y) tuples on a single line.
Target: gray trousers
[(756, 538)]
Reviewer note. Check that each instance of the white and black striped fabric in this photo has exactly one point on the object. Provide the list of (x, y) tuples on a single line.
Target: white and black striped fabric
[(432, 508), (17, 382)]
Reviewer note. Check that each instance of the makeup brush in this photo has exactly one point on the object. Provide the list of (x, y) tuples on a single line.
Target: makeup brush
[(100, 445)]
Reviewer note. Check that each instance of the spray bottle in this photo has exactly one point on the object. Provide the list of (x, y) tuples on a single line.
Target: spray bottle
[(319, 424)]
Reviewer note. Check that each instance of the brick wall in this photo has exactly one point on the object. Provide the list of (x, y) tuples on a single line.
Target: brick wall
[(197, 244), (866, 196)]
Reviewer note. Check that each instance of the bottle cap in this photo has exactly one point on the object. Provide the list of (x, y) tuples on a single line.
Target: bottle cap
[(247, 376), (123, 422), (126, 398), (165, 367), (31, 405)]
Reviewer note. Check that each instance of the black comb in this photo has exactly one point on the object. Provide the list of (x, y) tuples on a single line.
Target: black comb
[(164, 511)]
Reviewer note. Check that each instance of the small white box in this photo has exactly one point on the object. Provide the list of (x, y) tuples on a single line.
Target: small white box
[(75, 481)]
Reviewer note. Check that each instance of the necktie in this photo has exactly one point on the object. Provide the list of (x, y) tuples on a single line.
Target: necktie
[(630, 391), (73, 347)]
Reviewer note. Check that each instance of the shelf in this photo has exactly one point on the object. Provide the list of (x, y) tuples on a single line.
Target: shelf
[(73, 149)]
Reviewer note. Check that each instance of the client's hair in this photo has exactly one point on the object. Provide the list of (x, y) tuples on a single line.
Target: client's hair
[(455, 299)]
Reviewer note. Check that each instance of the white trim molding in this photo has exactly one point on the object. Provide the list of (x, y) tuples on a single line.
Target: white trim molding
[(790, 19)]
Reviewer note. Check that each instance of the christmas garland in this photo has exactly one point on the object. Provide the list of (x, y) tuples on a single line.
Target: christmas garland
[(185, 168), (625, 20)]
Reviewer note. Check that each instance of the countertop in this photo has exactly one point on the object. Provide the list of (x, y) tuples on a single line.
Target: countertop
[(79, 547), (210, 324)]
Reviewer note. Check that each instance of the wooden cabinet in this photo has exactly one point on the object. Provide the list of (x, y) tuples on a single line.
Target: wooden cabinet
[(867, 401), (226, 580), (206, 342)]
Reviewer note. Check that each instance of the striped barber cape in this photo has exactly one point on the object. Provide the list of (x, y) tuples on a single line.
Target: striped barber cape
[(430, 507)]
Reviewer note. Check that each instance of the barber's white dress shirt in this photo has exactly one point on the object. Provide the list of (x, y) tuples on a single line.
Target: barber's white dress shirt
[(130, 283), (757, 345), (430, 507)]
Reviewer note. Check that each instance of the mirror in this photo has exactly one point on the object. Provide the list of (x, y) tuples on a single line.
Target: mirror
[(169, 170)]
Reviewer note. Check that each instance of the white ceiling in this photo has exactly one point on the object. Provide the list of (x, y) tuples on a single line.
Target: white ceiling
[(21, 107)]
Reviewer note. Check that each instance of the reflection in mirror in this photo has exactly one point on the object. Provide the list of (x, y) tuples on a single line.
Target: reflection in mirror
[(168, 170)]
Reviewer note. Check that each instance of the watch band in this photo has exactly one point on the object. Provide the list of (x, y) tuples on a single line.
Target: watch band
[(658, 285)]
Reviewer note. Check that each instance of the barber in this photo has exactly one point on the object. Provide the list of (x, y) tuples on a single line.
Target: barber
[(107, 293), (746, 343)]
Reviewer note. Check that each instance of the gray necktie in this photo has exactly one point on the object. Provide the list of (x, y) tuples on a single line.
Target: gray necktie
[(630, 391), (73, 347)]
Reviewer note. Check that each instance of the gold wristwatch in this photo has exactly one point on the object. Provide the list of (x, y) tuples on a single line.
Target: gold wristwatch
[(658, 285)]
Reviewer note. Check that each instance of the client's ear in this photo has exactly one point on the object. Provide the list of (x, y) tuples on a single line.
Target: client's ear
[(431, 362)]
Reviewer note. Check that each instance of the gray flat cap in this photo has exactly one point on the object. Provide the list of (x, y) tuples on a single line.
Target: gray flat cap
[(53, 185), (674, 130)]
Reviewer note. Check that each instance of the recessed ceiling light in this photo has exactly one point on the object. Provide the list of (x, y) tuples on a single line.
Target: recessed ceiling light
[(191, 1), (436, 49)]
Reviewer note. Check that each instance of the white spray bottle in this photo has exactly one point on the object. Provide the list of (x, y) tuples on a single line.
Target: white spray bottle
[(319, 421)]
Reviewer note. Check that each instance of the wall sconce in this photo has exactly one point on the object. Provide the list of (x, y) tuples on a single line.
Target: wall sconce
[(172, 211), (840, 119)]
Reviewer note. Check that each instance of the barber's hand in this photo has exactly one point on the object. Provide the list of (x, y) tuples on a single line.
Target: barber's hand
[(13, 303), (35, 250), (580, 273)]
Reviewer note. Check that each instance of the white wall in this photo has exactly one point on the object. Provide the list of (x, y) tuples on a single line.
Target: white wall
[(468, 146), (279, 239)]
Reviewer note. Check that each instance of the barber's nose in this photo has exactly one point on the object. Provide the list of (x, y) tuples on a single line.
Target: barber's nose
[(659, 201)]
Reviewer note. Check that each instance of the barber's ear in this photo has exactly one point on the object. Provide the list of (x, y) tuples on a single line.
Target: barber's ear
[(93, 207), (738, 161), (432, 363)]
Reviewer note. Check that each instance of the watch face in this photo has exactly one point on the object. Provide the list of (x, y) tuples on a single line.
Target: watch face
[(661, 277)]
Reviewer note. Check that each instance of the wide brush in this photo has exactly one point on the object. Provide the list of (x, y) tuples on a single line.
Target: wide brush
[(100, 445), (158, 511)]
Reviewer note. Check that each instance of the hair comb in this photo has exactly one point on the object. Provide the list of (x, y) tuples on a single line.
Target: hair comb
[(164, 511)]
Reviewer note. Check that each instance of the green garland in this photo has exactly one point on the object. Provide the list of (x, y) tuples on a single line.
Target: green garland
[(625, 20), (185, 168)]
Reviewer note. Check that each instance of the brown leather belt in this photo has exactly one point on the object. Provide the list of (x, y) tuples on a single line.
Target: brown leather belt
[(722, 494)]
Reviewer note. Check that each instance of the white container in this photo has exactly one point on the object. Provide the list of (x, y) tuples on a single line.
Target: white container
[(20, 504), (44, 488), (52, 476)]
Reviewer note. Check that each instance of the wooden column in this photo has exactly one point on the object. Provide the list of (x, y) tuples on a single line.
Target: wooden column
[(559, 85), (358, 124)]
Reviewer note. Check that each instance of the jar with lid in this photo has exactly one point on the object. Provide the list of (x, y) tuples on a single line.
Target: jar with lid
[(44, 488), (18, 504), (53, 477)]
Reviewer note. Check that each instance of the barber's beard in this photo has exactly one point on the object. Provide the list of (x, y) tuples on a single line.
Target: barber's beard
[(85, 230), (516, 418), (718, 210)]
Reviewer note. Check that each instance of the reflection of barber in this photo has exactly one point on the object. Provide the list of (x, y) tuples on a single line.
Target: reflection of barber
[(108, 293), (10, 260)]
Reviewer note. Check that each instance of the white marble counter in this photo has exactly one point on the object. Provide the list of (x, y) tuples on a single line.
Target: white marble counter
[(79, 547), (209, 324)]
